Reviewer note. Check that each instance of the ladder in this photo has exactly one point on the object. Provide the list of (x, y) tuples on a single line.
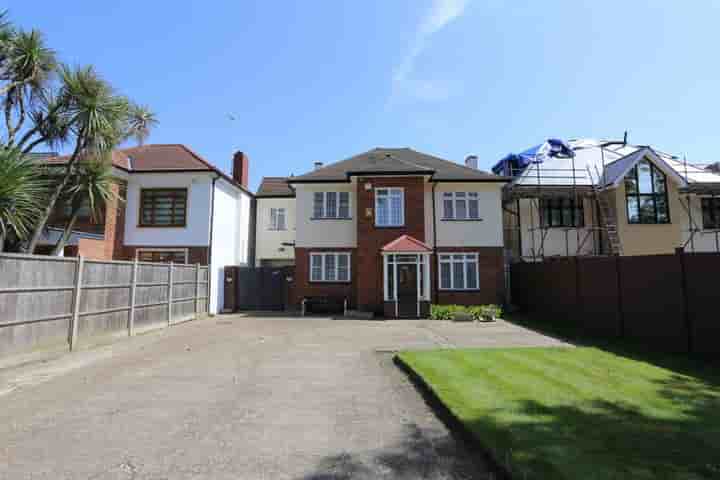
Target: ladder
[(607, 218)]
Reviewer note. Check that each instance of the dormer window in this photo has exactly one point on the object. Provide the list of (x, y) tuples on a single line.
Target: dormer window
[(646, 195)]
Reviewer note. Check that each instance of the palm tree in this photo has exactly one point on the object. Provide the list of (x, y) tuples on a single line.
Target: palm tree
[(21, 192), (96, 117), (92, 187), (140, 121)]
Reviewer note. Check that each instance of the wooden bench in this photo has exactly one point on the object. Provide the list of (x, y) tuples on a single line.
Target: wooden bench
[(325, 303)]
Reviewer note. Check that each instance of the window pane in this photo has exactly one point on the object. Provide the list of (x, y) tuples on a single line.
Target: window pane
[(579, 215), (273, 218), (281, 219), (470, 274), (344, 211), (396, 211), (658, 180), (555, 216), (318, 205), (707, 214), (631, 181), (662, 209), (461, 208), (458, 282), (644, 177), (448, 209), (163, 207), (316, 270), (647, 209), (331, 204), (445, 276), (633, 210), (567, 213), (382, 210), (343, 268), (473, 209), (330, 267)]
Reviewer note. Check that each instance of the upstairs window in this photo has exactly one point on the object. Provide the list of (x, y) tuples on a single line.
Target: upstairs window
[(277, 219), (562, 212), (389, 207), (461, 206), (163, 207), (331, 205), (330, 267), (711, 213), (646, 195)]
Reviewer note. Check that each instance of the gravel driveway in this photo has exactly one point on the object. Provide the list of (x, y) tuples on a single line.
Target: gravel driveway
[(236, 397)]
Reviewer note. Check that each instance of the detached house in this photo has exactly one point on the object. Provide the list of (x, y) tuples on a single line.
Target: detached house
[(391, 231), (172, 206), (592, 197)]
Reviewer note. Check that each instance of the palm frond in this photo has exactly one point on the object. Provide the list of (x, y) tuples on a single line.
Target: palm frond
[(141, 120), (22, 190)]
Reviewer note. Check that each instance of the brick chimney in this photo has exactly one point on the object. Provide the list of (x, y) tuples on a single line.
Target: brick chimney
[(240, 168)]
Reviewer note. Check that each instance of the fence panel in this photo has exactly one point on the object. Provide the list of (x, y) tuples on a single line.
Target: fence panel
[(703, 291), (37, 296), (599, 299)]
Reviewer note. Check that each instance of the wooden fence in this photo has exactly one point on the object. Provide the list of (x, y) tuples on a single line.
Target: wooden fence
[(49, 302), (669, 302)]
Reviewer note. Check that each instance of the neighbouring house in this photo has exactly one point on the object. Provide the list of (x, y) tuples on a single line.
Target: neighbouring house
[(171, 206), (593, 197), (391, 231), (275, 226)]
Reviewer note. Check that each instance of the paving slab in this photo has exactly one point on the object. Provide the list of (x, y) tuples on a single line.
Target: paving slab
[(240, 397)]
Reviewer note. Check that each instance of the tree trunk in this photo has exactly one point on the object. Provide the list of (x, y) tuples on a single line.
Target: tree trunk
[(42, 220), (62, 241)]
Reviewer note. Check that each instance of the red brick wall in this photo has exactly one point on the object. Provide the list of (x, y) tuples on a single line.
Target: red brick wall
[(303, 287), (491, 273), (371, 238)]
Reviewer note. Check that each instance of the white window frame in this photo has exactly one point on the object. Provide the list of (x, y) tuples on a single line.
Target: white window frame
[(323, 275), (337, 216), (274, 219), (467, 258), (457, 197), (389, 195), (184, 250)]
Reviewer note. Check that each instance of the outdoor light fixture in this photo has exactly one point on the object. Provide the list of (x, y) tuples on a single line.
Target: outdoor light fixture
[(368, 186)]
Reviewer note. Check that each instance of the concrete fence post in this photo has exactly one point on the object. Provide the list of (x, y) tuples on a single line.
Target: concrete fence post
[(133, 290), (77, 289), (197, 290), (169, 295)]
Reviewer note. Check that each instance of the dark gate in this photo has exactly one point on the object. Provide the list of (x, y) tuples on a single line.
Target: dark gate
[(257, 288)]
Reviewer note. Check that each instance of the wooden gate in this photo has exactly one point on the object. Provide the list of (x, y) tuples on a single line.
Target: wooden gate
[(257, 288)]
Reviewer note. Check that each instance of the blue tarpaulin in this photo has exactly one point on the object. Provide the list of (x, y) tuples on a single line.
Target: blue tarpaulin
[(514, 163)]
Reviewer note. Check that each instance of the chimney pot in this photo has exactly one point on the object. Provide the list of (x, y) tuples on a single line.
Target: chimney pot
[(240, 168), (471, 161)]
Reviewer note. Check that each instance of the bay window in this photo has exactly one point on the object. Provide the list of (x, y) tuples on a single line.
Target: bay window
[(458, 271), (389, 207), (330, 267)]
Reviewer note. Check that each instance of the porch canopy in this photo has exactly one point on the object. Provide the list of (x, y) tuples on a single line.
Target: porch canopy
[(406, 244)]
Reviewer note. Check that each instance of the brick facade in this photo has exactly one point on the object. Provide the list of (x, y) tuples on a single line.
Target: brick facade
[(371, 238)]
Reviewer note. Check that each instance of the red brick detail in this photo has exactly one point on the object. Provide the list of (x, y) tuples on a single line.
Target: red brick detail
[(371, 239), (240, 168), (492, 278), (303, 287)]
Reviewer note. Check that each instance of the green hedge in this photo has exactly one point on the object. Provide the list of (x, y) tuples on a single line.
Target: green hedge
[(477, 312)]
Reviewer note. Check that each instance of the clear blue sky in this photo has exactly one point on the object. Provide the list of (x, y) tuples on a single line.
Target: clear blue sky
[(322, 80)]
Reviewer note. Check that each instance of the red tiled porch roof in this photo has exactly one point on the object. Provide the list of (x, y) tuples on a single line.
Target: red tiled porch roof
[(406, 243)]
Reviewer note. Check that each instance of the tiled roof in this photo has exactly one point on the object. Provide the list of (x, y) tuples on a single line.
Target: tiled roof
[(397, 161), (275, 187), (406, 243)]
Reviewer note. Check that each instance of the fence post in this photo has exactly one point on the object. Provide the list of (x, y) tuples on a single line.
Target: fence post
[(680, 252), (170, 290), (197, 290), (77, 289), (133, 289)]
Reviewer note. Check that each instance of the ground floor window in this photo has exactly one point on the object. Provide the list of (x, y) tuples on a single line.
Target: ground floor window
[(459, 271), (330, 267), (711, 213), (163, 256)]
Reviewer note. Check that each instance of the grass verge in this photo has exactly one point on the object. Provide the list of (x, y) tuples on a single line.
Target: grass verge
[(579, 412)]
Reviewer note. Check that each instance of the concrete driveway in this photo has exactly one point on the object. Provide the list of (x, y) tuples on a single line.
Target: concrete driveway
[(236, 397)]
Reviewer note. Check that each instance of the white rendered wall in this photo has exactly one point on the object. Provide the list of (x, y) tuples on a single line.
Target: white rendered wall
[(270, 242), (196, 231), (485, 233), (324, 233)]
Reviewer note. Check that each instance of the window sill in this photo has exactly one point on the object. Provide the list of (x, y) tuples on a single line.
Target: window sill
[(461, 219), (162, 226), (562, 227), (332, 282), (390, 226), (649, 224), (330, 218), (277, 230), (466, 290)]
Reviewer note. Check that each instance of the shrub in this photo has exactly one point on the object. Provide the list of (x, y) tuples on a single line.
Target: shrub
[(442, 312), (488, 312), (479, 313)]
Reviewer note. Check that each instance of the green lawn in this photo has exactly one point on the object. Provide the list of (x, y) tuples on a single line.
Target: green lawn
[(581, 413)]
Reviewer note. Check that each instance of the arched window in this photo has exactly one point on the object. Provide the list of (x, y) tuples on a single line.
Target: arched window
[(646, 195)]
